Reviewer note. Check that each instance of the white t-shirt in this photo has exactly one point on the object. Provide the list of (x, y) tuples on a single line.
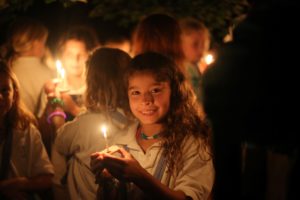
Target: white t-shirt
[(196, 177), (74, 144), (29, 157), (32, 75)]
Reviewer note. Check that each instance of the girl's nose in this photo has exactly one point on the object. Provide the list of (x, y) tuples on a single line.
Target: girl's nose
[(78, 58), (147, 98)]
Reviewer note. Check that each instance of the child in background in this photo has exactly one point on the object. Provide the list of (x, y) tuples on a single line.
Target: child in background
[(106, 104), (27, 46), (74, 47), (25, 166), (159, 33), (168, 150), (195, 43)]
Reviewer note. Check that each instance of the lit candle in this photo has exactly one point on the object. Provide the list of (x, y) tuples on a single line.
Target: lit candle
[(61, 77), (209, 58), (204, 63), (58, 69), (104, 132)]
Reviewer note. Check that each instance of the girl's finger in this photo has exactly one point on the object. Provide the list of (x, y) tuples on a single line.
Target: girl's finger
[(116, 173), (124, 153), (112, 161), (97, 167), (94, 155), (97, 164)]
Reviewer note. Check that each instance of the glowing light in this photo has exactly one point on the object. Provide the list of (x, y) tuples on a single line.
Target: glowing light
[(209, 58), (61, 77), (103, 130), (104, 133)]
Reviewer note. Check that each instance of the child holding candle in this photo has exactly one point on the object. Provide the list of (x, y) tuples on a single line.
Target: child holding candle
[(106, 104), (195, 38), (73, 49), (168, 152), (65, 96), (25, 168)]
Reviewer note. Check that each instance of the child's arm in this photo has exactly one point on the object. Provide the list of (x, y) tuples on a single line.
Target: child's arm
[(70, 105), (16, 187), (155, 189), (128, 169), (39, 182)]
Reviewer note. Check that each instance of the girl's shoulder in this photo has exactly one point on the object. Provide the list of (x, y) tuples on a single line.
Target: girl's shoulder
[(30, 129), (191, 142), (83, 119), (28, 133), (194, 145), (90, 121), (117, 118), (117, 114)]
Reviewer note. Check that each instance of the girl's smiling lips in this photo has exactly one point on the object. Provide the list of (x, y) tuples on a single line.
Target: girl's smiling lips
[(148, 111)]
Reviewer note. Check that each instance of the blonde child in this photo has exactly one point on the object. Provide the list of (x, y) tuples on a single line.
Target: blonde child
[(195, 38), (25, 166), (27, 44), (106, 105), (168, 151), (195, 44)]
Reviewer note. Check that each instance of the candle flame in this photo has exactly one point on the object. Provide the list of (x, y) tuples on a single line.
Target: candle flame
[(58, 65), (59, 70), (103, 129), (209, 59), (62, 73)]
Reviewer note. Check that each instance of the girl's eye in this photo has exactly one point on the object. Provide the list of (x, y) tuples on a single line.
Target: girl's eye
[(5, 91), (156, 90), (134, 93)]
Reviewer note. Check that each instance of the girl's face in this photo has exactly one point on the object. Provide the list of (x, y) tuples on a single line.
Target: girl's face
[(39, 47), (74, 57), (149, 99), (6, 94), (193, 45)]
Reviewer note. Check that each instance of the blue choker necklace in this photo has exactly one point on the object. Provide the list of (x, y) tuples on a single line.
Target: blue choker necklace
[(145, 137)]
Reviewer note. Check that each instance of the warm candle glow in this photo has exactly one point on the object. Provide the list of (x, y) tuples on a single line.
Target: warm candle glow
[(103, 129), (61, 77), (104, 133), (58, 69), (209, 58), (62, 73)]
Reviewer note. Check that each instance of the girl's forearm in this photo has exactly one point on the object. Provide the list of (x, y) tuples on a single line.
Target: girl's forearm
[(155, 189)]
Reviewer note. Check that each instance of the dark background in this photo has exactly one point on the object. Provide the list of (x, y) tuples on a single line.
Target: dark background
[(117, 18)]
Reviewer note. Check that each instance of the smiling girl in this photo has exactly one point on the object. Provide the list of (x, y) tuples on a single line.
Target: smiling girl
[(168, 154), (25, 168)]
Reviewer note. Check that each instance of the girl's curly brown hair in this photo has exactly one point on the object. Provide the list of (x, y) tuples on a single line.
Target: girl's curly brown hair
[(18, 117), (183, 119)]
